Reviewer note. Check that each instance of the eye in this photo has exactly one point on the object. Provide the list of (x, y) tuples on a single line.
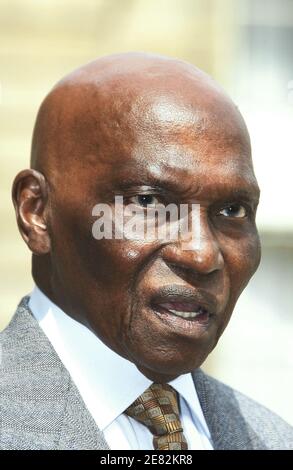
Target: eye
[(145, 200), (234, 210)]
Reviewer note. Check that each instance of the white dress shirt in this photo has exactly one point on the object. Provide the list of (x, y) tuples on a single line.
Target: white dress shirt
[(108, 383)]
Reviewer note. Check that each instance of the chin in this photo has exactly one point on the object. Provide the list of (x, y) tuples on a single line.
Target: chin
[(171, 366)]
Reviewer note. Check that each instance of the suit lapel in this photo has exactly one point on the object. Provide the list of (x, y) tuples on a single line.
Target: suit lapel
[(79, 431), (226, 423)]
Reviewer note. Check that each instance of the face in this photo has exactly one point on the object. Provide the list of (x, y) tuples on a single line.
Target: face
[(158, 303)]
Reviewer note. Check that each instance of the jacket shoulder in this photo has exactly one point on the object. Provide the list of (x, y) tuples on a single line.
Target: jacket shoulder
[(33, 385), (23, 344), (40, 406)]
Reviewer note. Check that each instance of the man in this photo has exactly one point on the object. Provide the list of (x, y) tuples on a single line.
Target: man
[(105, 353)]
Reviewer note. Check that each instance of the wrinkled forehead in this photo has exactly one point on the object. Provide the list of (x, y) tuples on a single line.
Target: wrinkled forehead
[(145, 120), (118, 113), (167, 126)]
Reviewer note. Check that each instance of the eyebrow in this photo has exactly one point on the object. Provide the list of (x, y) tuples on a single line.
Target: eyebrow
[(159, 184), (246, 188), (248, 192)]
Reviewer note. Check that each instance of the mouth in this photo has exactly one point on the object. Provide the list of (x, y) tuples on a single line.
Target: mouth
[(187, 311), (184, 308)]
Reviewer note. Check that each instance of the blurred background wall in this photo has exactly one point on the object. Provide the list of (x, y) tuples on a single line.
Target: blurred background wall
[(247, 45)]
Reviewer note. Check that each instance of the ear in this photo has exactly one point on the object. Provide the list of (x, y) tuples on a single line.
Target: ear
[(30, 196)]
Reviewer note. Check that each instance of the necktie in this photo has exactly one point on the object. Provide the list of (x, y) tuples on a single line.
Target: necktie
[(157, 408)]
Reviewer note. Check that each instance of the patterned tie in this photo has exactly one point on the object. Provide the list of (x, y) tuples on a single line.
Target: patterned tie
[(157, 408)]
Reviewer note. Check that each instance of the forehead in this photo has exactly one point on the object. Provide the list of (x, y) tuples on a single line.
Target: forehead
[(166, 113), (142, 132), (178, 139)]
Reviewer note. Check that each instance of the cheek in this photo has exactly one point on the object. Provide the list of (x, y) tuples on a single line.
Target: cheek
[(98, 276), (118, 261), (242, 260)]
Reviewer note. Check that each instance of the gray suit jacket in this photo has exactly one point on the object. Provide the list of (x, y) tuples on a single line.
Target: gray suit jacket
[(41, 408)]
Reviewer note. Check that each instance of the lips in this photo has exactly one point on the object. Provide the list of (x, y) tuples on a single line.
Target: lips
[(186, 310), (185, 304)]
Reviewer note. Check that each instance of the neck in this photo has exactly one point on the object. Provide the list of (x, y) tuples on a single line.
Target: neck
[(156, 376), (41, 269)]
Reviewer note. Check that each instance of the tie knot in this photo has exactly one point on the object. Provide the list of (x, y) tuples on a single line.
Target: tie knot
[(157, 408)]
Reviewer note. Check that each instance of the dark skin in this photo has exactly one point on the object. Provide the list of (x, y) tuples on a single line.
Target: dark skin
[(134, 125)]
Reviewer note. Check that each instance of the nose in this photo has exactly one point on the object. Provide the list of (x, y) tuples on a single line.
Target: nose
[(201, 254)]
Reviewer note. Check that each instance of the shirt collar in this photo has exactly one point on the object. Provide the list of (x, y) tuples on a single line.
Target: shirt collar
[(107, 382)]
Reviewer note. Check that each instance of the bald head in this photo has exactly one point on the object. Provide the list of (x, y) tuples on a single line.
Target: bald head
[(134, 95)]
